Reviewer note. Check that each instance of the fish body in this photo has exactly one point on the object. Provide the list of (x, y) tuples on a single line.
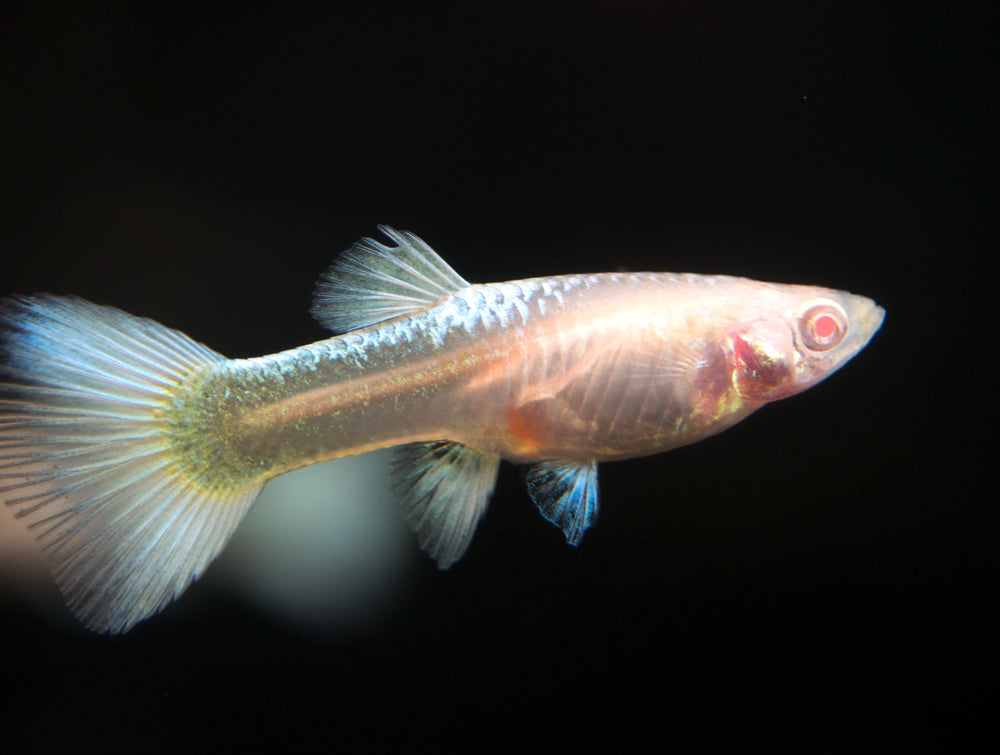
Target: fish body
[(136, 451)]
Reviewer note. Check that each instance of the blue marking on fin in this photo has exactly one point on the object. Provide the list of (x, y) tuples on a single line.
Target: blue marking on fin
[(88, 459), (372, 282), (444, 488), (566, 494)]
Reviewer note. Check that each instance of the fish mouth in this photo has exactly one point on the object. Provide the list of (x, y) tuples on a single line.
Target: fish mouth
[(864, 316), (871, 319), (880, 312)]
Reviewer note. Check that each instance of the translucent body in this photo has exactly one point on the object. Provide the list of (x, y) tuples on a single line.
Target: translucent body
[(582, 368)]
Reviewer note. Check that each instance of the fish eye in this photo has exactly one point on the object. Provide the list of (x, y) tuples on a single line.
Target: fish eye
[(823, 326)]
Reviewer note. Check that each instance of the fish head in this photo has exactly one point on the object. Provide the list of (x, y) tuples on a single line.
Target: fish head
[(801, 335)]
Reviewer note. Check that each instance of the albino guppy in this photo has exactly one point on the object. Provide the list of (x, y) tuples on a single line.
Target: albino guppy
[(135, 452)]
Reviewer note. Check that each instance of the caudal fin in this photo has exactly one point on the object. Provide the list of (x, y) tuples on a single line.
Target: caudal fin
[(86, 457)]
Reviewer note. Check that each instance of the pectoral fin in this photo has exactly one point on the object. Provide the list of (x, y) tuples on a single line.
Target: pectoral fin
[(566, 494), (444, 489)]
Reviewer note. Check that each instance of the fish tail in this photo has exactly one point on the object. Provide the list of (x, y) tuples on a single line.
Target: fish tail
[(87, 457)]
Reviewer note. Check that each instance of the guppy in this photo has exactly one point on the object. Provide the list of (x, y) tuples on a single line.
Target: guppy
[(134, 451)]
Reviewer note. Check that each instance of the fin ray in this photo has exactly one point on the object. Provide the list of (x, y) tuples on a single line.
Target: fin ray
[(565, 493), (86, 456), (372, 282), (444, 489)]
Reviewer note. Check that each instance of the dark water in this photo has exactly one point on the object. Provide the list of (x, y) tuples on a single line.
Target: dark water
[(816, 579)]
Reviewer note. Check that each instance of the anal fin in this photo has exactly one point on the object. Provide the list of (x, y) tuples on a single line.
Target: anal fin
[(566, 494), (444, 488)]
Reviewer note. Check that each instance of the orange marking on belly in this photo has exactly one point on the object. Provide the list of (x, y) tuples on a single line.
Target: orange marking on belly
[(522, 430)]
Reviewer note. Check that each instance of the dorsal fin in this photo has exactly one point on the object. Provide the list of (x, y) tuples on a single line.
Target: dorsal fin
[(372, 282)]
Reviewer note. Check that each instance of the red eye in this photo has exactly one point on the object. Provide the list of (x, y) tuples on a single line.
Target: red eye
[(823, 326)]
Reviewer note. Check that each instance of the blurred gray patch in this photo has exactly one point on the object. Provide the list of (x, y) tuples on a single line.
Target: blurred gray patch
[(323, 547)]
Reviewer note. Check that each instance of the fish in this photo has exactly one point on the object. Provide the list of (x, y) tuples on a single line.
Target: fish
[(133, 452)]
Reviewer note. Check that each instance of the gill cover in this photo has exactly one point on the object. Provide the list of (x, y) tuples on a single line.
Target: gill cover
[(763, 359)]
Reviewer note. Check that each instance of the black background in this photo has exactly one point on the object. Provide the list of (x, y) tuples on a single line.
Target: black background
[(816, 579)]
